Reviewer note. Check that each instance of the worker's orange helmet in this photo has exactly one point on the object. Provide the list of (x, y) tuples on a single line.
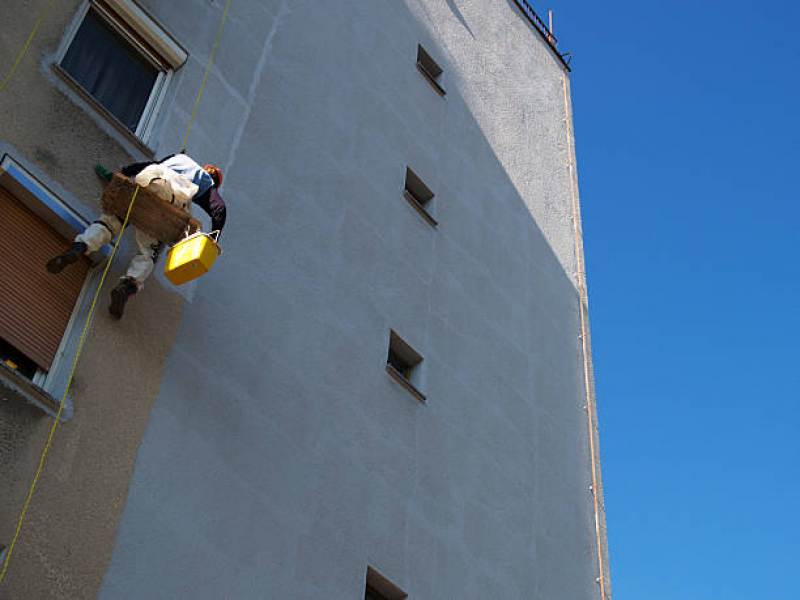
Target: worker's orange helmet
[(215, 173)]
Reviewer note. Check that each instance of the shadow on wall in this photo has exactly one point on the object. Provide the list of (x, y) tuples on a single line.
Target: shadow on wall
[(323, 257), (457, 13)]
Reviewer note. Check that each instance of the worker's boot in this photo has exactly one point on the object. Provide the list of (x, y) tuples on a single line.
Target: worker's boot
[(120, 294), (69, 256)]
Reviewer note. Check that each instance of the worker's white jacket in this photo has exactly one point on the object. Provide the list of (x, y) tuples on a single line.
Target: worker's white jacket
[(168, 185)]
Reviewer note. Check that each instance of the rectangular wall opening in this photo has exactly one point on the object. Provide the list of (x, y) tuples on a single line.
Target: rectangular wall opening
[(380, 588), (430, 69), (403, 364), (420, 196)]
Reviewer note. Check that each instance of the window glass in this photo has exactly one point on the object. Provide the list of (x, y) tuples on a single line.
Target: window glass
[(14, 359), (371, 594), (110, 69)]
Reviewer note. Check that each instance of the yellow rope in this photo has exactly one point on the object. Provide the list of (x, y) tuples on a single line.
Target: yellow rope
[(69, 383), (24, 50), (102, 279), (205, 76)]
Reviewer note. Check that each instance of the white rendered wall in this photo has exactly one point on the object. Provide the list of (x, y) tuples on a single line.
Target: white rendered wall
[(280, 459)]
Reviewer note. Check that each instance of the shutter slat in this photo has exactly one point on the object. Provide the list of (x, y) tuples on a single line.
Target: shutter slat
[(35, 306)]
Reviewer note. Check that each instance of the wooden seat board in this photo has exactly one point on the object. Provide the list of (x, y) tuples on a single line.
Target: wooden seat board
[(151, 214)]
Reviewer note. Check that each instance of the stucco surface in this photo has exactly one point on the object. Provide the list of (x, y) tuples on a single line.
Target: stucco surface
[(279, 459), (68, 535)]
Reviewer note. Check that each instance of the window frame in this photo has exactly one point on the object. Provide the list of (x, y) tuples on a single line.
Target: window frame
[(52, 210), (143, 33)]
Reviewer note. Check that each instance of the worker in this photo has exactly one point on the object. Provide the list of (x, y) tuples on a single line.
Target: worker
[(176, 179)]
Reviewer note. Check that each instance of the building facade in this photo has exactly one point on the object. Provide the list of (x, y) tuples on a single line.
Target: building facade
[(384, 385)]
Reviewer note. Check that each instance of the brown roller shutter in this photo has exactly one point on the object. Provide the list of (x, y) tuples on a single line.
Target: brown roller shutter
[(35, 306)]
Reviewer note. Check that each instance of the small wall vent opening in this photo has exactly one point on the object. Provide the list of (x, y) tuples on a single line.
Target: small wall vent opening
[(419, 196), (403, 364), (430, 70), (380, 588)]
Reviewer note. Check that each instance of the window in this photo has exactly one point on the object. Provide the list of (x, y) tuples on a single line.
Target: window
[(121, 60), (380, 588), (36, 308), (419, 196), (16, 360), (372, 594), (430, 70), (403, 364)]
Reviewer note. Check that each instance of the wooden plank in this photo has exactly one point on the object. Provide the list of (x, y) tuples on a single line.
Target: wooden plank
[(150, 213)]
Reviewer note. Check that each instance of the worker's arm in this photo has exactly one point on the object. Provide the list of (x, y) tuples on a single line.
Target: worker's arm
[(214, 205)]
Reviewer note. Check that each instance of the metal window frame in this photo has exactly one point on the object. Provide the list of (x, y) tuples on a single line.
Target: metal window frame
[(126, 29)]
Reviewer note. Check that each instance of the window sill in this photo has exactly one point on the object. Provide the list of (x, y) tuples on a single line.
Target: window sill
[(13, 385), (398, 377), (420, 209), (439, 89), (107, 116)]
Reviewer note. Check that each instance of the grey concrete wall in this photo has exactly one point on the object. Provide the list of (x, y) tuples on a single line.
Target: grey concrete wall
[(68, 535), (279, 458)]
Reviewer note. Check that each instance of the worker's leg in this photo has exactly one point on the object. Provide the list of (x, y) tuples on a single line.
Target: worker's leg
[(147, 251), (100, 233), (97, 235)]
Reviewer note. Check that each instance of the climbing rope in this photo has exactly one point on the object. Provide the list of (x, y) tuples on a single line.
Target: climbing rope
[(69, 383), (205, 76), (27, 44), (102, 279)]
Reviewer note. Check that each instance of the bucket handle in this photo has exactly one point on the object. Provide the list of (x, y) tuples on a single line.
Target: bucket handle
[(186, 229), (214, 235)]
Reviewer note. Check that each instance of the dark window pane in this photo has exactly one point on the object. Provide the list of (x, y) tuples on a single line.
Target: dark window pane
[(20, 362), (371, 594), (398, 363), (109, 68)]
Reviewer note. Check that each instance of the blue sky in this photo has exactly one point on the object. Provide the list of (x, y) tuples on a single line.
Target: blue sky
[(688, 141)]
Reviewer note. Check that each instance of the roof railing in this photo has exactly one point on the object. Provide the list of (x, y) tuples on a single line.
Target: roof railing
[(543, 30)]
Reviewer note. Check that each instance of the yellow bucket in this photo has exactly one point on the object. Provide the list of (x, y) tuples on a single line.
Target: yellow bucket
[(191, 258)]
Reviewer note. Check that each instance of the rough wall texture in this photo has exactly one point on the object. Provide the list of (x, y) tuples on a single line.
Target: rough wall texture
[(68, 536), (280, 459)]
